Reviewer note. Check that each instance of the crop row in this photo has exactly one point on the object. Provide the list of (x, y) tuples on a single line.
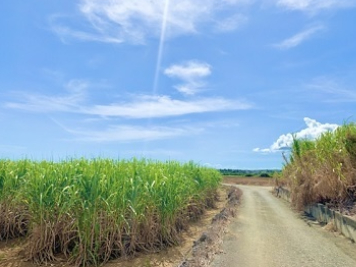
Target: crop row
[(90, 211), (323, 170)]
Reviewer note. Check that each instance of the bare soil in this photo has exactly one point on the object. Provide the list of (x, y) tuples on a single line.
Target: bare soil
[(209, 243), (198, 245), (248, 180), (267, 232)]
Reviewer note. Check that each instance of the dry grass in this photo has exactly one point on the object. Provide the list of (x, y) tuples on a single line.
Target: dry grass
[(208, 225), (324, 170)]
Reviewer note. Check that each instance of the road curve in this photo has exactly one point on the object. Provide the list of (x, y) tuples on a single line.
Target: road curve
[(266, 232)]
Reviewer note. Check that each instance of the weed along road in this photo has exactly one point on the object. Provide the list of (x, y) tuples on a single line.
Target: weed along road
[(266, 232)]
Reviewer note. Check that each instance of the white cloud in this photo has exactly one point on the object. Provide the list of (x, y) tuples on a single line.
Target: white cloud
[(65, 32), (230, 23), (315, 5), (140, 107), (188, 71), (43, 103), (262, 150), (138, 132), (134, 20), (332, 90), (314, 130), (189, 88), (164, 106), (129, 133), (297, 39), (191, 72), (77, 86)]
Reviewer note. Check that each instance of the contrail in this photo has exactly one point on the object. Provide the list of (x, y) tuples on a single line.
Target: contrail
[(160, 47), (158, 63)]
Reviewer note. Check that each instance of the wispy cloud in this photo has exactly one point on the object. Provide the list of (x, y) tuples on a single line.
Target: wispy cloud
[(313, 6), (66, 33), (58, 103), (131, 133), (314, 130), (299, 38), (138, 107), (192, 74), (164, 106), (134, 21), (332, 90), (231, 23)]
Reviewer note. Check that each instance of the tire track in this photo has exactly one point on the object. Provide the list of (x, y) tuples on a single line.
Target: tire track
[(267, 232)]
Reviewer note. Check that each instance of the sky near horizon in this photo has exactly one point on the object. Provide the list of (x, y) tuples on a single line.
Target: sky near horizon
[(225, 83)]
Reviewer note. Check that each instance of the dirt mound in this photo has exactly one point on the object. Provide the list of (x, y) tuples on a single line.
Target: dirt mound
[(208, 244)]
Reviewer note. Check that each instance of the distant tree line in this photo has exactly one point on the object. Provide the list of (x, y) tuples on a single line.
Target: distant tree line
[(249, 173)]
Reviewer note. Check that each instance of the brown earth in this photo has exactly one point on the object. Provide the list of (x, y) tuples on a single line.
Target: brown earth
[(267, 232), (248, 180), (198, 244), (209, 243)]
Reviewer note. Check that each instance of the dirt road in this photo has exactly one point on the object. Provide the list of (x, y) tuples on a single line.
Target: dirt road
[(266, 232)]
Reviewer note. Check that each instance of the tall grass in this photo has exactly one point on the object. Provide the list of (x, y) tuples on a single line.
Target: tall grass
[(323, 170), (13, 212), (89, 211)]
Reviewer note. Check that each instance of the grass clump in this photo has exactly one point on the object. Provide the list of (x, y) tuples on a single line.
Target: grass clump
[(323, 170), (13, 213), (90, 211)]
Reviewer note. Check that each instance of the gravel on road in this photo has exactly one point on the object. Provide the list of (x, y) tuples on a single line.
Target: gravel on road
[(266, 232)]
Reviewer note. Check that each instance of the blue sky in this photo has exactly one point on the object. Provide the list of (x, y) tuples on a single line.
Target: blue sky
[(221, 82)]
